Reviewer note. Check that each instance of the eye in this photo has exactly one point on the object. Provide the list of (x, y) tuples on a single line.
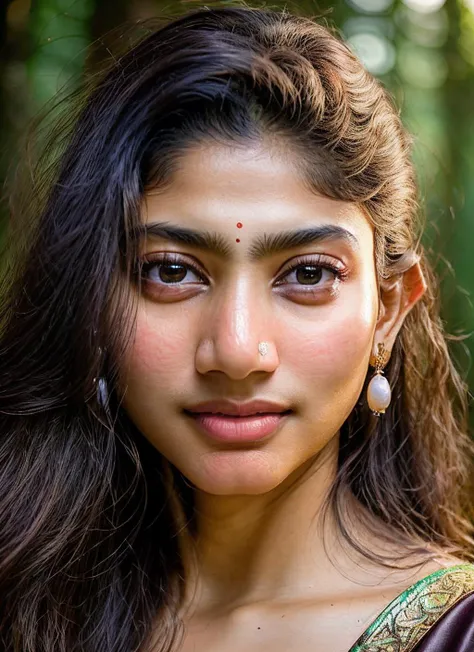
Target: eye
[(310, 274), (170, 270), (168, 276), (314, 272)]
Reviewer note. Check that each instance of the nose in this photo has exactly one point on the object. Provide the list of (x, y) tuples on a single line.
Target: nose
[(238, 320)]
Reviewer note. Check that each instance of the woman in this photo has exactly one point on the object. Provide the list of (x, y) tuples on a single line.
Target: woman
[(229, 416)]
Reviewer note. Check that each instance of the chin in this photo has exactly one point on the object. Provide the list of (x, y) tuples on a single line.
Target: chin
[(238, 472)]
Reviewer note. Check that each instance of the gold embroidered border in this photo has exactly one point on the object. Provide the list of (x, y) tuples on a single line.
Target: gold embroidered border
[(402, 625)]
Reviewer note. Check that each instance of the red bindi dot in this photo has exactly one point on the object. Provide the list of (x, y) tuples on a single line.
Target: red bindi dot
[(237, 240), (239, 225)]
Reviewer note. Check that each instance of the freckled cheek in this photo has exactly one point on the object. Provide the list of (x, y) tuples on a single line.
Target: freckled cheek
[(335, 349), (158, 351)]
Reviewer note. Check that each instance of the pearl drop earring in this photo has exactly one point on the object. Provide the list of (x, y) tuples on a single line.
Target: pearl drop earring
[(102, 392), (379, 393)]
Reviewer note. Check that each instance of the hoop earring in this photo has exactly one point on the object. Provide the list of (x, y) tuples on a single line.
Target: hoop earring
[(379, 393)]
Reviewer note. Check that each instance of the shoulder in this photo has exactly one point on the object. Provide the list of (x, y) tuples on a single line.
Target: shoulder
[(430, 613), (453, 629)]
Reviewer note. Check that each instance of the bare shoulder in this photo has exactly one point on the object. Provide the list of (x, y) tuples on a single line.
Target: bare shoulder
[(440, 562), (403, 578)]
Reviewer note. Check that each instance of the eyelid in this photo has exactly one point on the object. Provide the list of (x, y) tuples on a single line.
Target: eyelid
[(172, 257), (319, 259), (315, 259)]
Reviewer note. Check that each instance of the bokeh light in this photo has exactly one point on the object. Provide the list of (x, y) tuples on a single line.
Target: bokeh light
[(424, 6), (371, 6), (429, 30), (420, 67), (374, 50)]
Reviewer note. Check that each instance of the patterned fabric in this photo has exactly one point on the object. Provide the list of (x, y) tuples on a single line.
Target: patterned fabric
[(404, 622)]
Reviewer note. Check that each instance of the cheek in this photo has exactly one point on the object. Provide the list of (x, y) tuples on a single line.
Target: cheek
[(159, 354), (157, 345), (332, 347), (331, 356)]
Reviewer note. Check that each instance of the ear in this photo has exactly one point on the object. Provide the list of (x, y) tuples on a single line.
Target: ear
[(397, 298)]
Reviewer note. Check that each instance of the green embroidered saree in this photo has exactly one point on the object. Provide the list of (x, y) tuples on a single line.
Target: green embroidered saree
[(435, 614)]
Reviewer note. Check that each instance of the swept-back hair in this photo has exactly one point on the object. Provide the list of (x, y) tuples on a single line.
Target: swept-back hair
[(90, 511)]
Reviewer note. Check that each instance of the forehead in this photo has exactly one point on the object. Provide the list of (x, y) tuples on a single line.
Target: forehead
[(216, 187)]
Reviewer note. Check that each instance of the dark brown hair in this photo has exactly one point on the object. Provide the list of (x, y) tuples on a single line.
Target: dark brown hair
[(89, 557)]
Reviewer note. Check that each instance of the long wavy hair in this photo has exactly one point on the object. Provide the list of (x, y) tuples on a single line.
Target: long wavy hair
[(90, 511)]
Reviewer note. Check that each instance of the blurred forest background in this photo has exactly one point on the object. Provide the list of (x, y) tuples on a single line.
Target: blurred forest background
[(422, 50)]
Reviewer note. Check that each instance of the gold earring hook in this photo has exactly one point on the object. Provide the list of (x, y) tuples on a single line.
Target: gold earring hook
[(380, 360)]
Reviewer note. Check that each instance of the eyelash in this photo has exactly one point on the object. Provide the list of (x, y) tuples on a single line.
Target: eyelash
[(341, 273)]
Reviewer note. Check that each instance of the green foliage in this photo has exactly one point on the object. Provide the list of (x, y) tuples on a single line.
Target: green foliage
[(60, 35)]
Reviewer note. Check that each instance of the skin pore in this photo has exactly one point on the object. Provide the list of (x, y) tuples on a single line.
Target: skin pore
[(262, 577)]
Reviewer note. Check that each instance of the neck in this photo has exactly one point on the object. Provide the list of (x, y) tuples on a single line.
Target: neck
[(251, 549)]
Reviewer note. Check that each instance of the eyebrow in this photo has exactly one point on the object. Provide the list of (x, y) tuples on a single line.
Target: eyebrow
[(263, 246)]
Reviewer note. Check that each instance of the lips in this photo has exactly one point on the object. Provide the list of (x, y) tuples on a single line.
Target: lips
[(225, 407), (232, 422)]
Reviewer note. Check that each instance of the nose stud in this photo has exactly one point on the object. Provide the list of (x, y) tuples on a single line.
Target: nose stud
[(263, 348)]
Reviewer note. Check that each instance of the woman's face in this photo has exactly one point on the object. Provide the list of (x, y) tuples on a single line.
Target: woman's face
[(202, 314)]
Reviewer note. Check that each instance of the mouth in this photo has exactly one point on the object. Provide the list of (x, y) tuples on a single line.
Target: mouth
[(233, 428), (237, 416)]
